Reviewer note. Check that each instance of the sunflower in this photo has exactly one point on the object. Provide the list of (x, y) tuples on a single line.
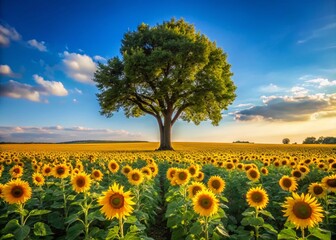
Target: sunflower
[(194, 188), (17, 191), (330, 182), (257, 197), (126, 169), (303, 211), (304, 169), (229, 166), (288, 183), (46, 170), (1, 190), (199, 177), (97, 175), (182, 176), (81, 182), (193, 170), (16, 171), (264, 171), (297, 174), (61, 171), (135, 177), (147, 172), (154, 168), (253, 174), (216, 184), (171, 173), (205, 203), (116, 202), (113, 166), (38, 179), (317, 190)]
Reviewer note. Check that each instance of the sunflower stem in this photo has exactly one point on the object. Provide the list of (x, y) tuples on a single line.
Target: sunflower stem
[(302, 233), (64, 199), (257, 227), (206, 225), (21, 214), (86, 211), (327, 208), (121, 227)]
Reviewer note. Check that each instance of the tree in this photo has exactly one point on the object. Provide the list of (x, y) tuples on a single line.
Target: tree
[(169, 71), (285, 141), (309, 140)]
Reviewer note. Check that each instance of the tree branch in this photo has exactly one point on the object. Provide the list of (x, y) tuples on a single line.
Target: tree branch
[(178, 113)]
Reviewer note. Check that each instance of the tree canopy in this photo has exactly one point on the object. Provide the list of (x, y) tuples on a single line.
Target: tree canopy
[(169, 71)]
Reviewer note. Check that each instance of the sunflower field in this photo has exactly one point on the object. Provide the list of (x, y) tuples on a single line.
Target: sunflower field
[(200, 191)]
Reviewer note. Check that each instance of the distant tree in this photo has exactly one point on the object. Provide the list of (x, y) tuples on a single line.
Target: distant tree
[(320, 140), (285, 141), (169, 71), (309, 140), (329, 140)]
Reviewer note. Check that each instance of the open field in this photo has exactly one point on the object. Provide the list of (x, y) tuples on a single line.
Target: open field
[(200, 191)]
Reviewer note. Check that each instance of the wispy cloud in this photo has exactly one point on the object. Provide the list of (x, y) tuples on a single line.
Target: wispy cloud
[(271, 88), (79, 67), (8, 33), (38, 45), (14, 89), (7, 71), (319, 32), (99, 58), (59, 133)]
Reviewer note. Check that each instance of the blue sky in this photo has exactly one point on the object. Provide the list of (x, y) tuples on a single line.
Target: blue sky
[(283, 56)]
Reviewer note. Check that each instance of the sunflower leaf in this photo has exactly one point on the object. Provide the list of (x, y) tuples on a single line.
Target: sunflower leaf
[(287, 234), (37, 212), (320, 233), (267, 214), (22, 232), (42, 229)]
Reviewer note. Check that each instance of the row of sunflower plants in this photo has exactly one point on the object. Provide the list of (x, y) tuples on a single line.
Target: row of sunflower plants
[(60, 200), (302, 204)]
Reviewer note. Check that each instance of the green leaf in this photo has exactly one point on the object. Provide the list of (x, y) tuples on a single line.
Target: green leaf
[(270, 228), (74, 231), (259, 221), (37, 212), (320, 233), (96, 215), (22, 232), (42, 229), (113, 233), (222, 231), (196, 228), (7, 236), (267, 214), (11, 226), (56, 220), (131, 220), (287, 234), (72, 218), (248, 213)]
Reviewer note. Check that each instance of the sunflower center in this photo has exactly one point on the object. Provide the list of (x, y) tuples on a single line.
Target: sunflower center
[(114, 166), (126, 170), (182, 176), (17, 191), (16, 170), (172, 174), (205, 202), (192, 171), (117, 201), (302, 210), (253, 174), (135, 177), (297, 174), (47, 170), (60, 170), (196, 189), (80, 182), (257, 197), (303, 169), (287, 182), (331, 182), (38, 179), (96, 174), (229, 166), (318, 190), (215, 184)]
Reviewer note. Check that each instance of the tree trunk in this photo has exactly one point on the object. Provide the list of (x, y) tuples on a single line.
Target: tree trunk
[(165, 134)]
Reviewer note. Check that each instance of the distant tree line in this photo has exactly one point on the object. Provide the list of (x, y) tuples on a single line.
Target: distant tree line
[(320, 140)]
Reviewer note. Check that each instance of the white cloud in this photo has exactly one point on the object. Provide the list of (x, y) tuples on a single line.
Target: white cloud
[(38, 45), (59, 133), (75, 100), (99, 58), (78, 91), (322, 82), (14, 89), (271, 88), (8, 33), (5, 70), (299, 91), (79, 67), (50, 87)]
